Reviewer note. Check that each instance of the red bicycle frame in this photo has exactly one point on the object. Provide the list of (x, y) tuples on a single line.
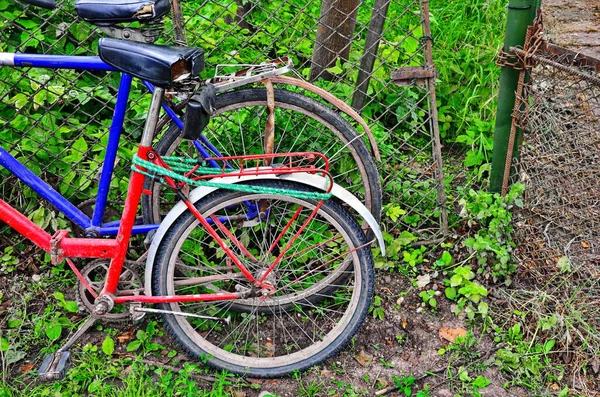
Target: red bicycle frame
[(61, 246)]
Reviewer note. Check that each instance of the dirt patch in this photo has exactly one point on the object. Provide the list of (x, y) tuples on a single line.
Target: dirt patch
[(574, 24)]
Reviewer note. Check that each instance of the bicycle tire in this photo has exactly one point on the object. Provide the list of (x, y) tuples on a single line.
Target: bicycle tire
[(281, 341), (351, 162)]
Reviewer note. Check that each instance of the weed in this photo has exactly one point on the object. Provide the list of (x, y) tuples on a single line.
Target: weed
[(401, 339), (144, 340), (377, 308), (405, 386), (490, 214), (8, 261), (311, 388), (428, 298), (385, 363), (466, 293)]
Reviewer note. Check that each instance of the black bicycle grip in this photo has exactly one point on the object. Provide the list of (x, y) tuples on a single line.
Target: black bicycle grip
[(49, 4)]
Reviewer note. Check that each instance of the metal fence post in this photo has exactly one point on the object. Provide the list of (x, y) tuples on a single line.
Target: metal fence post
[(520, 15)]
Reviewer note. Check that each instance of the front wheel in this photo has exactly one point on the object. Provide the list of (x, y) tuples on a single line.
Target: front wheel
[(322, 286)]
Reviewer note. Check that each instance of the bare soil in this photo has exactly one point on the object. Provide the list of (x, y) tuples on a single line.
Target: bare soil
[(574, 24)]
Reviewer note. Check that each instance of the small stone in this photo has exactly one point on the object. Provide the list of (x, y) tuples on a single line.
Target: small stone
[(419, 309), (435, 287), (438, 293), (387, 279), (423, 280), (400, 301), (364, 358), (36, 277)]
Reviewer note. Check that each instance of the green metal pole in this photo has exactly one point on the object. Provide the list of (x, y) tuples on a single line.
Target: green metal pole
[(520, 15)]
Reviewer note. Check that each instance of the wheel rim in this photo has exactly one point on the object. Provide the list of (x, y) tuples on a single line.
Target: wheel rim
[(276, 337)]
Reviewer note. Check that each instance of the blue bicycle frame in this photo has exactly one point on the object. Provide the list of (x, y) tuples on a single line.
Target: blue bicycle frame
[(91, 63)]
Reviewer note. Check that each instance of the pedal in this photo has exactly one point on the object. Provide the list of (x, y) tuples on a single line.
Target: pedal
[(55, 366)]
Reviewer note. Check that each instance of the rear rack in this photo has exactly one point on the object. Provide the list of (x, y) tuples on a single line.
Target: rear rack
[(243, 74)]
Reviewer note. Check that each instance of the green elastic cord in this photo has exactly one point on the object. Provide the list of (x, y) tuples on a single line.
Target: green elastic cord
[(185, 165)]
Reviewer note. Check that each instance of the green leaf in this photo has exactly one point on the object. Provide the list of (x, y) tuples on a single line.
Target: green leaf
[(27, 24), (564, 392), (134, 345), (473, 158), (456, 280), (20, 100), (481, 382), (549, 345), (108, 346), (4, 345), (53, 332), (483, 308), (450, 293), (80, 145), (406, 238)]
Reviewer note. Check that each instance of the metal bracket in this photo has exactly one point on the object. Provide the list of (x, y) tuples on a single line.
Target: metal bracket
[(128, 34), (413, 75), (56, 252)]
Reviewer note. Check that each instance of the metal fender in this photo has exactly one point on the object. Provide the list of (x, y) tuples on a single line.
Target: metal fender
[(303, 178)]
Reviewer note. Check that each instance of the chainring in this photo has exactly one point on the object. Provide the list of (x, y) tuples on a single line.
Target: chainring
[(95, 274)]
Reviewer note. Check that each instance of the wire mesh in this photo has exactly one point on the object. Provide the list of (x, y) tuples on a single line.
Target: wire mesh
[(557, 230), (560, 164), (56, 121)]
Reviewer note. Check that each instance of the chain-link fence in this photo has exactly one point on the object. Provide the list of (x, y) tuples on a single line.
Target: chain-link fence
[(558, 229), (56, 121), (560, 161)]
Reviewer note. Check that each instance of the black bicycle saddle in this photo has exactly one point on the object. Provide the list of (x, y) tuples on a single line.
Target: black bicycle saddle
[(157, 64), (108, 12)]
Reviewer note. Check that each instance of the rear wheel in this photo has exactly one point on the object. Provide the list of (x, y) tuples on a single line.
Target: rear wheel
[(322, 286)]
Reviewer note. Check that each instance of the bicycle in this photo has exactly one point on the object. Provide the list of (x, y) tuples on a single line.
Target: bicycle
[(272, 118), (286, 273)]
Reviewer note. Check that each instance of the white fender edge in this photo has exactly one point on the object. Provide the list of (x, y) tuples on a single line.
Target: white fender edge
[(303, 178)]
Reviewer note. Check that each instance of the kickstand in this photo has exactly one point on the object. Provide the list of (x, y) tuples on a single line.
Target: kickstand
[(55, 365)]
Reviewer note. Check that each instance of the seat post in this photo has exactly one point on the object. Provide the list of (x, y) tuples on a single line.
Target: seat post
[(152, 119)]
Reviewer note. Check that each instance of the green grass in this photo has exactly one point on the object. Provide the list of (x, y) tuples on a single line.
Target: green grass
[(468, 36)]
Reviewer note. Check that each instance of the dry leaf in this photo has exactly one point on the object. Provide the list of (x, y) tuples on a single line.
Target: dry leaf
[(404, 322), (596, 366), (450, 334), (270, 349), (585, 244), (364, 358), (555, 387), (125, 336), (26, 368), (423, 280)]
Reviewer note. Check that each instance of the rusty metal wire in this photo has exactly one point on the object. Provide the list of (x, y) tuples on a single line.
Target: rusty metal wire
[(230, 31), (560, 164), (557, 231)]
